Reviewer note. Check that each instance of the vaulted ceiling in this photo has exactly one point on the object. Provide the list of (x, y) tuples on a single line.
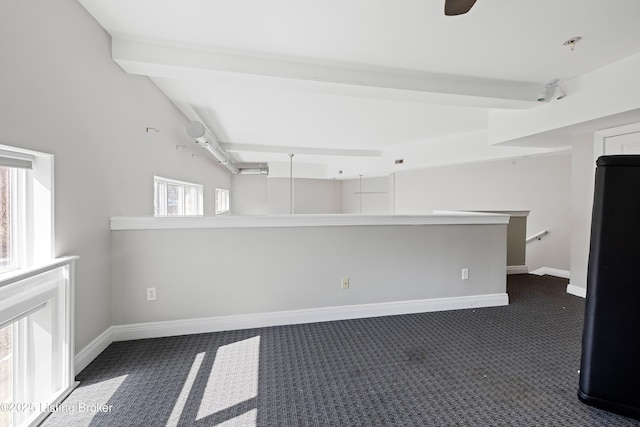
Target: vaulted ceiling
[(353, 85)]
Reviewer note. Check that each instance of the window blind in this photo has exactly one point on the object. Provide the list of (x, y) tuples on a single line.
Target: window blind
[(14, 159)]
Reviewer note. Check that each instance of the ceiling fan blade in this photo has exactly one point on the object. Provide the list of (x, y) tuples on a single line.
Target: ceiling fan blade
[(457, 7)]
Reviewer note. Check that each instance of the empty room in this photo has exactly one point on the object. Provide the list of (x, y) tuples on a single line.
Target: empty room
[(309, 213)]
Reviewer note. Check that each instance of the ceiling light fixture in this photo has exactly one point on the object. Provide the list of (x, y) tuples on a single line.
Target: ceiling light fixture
[(206, 140), (552, 90)]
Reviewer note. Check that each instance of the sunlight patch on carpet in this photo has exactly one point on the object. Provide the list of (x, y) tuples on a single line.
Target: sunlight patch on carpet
[(233, 378)]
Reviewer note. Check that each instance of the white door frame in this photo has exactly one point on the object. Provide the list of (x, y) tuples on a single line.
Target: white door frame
[(603, 139)]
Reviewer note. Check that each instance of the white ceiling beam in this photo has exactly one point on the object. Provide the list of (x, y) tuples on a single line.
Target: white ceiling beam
[(158, 60), (256, 148)]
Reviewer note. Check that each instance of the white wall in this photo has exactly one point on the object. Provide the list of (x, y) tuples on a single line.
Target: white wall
[(248, 195), (376, 198), (260, 195), (540, 184), (582, 187), (317, 196), (61, 93)]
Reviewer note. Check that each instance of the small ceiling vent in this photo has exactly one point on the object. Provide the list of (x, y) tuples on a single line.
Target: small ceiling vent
[(399, 161), (253, 168)]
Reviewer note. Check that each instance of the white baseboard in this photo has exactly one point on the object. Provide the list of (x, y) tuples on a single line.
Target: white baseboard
[(292, 317), (91, 351), (577, 290), (517, 269), (565, 274)]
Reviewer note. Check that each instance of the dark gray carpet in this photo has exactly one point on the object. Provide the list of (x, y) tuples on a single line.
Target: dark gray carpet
[(502, 366)]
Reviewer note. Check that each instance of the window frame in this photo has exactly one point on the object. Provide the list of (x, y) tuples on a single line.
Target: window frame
[(12, 261), (161, 191), (222, 201), (31, 188), (32, 249), (31, 296)]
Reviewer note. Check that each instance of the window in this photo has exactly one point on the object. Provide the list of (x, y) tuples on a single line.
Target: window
[(36, 333), (19, 188), (7, 233), (222, 201), (6, 372), (36, 342), (176, 198)]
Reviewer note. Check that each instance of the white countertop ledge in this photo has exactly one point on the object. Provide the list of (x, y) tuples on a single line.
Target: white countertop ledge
[(300, 220)]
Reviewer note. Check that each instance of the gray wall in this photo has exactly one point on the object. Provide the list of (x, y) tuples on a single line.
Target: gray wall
[(541, 185), (62, 94), (216, 272), (516, 241)]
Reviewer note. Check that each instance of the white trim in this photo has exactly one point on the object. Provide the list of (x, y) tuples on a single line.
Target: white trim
[(517, 269), (578, 291), (37, 418), (23, 292), (175, 181), (565, 274), (600, 137), (519, 214), (292, 317), (92, 350), (24, 273), (331, 220)]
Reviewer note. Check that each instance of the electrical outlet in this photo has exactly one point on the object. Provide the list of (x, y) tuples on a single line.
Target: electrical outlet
[(345, 283), (465, 274), (151, 294)]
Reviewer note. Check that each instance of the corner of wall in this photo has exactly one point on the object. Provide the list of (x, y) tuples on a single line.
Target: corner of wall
[(577, 290), (91, 351)]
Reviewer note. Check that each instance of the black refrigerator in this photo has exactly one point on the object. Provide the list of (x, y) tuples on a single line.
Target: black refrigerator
[(610, 364)]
